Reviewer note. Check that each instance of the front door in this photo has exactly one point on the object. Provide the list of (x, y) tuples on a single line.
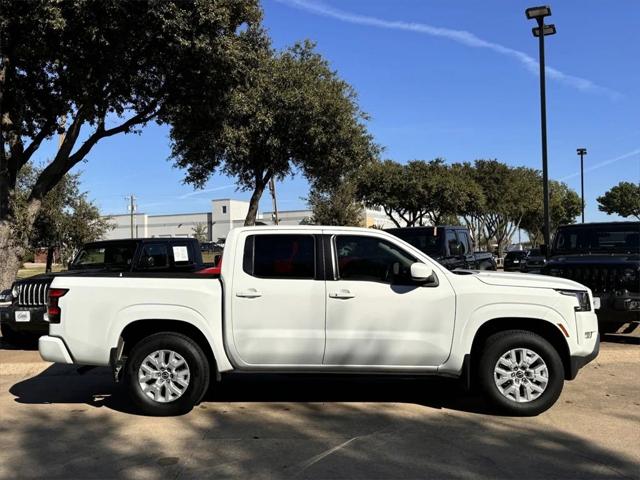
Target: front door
[(278, 302), (377, 316)]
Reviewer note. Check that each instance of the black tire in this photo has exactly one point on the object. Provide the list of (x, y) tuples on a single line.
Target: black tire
[(610, 327), (18, 339), (10, 336), (195, 359), (498, 345)]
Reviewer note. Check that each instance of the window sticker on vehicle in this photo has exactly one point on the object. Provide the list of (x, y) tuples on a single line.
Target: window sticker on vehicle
[(180, 254)]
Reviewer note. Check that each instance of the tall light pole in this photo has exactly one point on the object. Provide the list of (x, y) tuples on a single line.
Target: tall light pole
[(538, 14), (582, 152)]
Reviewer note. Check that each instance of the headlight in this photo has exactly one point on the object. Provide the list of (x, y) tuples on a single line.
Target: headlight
[(15, 291), (584, 303)]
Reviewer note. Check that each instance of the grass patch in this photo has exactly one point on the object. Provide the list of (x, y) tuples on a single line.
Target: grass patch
[(30, 272)]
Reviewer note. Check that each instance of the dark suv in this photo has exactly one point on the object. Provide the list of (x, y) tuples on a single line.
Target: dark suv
[(25, 318), (449, 245), (606, 258), (513, 260)]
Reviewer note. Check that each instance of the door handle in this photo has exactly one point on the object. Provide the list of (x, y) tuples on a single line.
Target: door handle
[(341, 294), (250, 293)]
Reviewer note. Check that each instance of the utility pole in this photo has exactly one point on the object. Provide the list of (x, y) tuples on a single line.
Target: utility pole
[(132, 209), (582, 152), (272, 188)]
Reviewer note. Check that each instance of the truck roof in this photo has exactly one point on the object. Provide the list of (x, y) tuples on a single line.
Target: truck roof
[(600, 224), (142, 240)]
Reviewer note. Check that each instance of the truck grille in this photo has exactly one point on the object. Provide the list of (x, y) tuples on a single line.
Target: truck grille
[(597, 278), (33, 293)]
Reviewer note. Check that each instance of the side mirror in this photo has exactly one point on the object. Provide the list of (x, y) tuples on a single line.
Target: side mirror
[(421, 272)]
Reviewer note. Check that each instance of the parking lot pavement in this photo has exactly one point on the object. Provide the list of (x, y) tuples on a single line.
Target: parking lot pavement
[(57, 423)]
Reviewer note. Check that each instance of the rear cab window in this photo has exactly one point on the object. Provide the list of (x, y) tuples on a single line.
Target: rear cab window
[(280, 256)]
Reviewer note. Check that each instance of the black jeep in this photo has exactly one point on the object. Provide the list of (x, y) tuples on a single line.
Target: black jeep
[(25, 318), (606, 258)]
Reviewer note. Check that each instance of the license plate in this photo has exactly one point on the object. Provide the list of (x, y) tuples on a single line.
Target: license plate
[(23, 316), (596, 303)]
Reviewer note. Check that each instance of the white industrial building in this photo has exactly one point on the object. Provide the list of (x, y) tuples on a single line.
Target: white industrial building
[(225, 214)]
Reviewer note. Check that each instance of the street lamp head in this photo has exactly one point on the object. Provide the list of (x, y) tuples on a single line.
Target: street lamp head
[(538, 12), (546, 30), (581, 151)]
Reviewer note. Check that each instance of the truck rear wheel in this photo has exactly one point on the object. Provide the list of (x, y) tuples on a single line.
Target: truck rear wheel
[(167, 374), (520, 372)]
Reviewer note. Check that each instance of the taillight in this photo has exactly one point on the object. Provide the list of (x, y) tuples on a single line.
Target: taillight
[(53, 309)]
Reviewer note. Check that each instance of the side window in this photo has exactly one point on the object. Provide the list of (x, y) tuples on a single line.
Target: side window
[(280, 256), (465, 241), (452, 243), (153, 256), (372, 259)]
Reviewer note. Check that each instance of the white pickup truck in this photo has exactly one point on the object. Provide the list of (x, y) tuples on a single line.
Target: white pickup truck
[(318, 300)]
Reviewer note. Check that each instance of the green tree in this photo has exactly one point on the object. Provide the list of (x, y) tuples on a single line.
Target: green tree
[(200, 232), (507, 193), (67, 219), (623, 199), (384, 184), (294, 115), (103, 67), (564, 207), (419, 192), (337, 206)]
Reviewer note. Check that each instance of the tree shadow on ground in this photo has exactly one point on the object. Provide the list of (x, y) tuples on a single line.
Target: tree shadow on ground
[(96, 388), (30, 343), (324, 429)]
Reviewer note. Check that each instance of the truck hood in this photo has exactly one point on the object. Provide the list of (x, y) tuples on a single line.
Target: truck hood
[(503, 279)]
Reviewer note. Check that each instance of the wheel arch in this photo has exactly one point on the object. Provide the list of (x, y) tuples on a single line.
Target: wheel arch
[(544, 328), (136, 330)]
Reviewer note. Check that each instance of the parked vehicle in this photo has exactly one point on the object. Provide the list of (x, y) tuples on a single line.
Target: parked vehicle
[(324, 300), (533, 262), (513, 259), (25, 318), (449, 245), (606, 258)]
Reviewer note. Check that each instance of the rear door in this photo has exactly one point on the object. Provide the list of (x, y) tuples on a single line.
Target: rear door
[(278, 302)]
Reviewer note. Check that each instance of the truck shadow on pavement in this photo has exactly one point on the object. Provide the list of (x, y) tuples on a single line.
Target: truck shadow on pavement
[(62, 384), (304, 437)]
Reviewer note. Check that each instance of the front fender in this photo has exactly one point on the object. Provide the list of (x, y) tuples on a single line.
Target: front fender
[(463, 339)]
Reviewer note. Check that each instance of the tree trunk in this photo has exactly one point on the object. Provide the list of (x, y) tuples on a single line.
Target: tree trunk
[(10, 256), (254, 203), (13, 247)]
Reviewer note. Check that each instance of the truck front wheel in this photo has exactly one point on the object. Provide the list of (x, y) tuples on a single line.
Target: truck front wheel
[(167, 374), (520, 372)]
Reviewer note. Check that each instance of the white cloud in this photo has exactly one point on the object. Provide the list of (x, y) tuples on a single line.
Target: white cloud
[(604, 163), (201, 192), (459, 36)]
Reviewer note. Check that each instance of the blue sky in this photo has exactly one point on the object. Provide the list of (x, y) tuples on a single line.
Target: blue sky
[(456, 80)]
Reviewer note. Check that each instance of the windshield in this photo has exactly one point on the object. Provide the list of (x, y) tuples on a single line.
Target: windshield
[(112, 257), (607, 238), (423, 239)]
